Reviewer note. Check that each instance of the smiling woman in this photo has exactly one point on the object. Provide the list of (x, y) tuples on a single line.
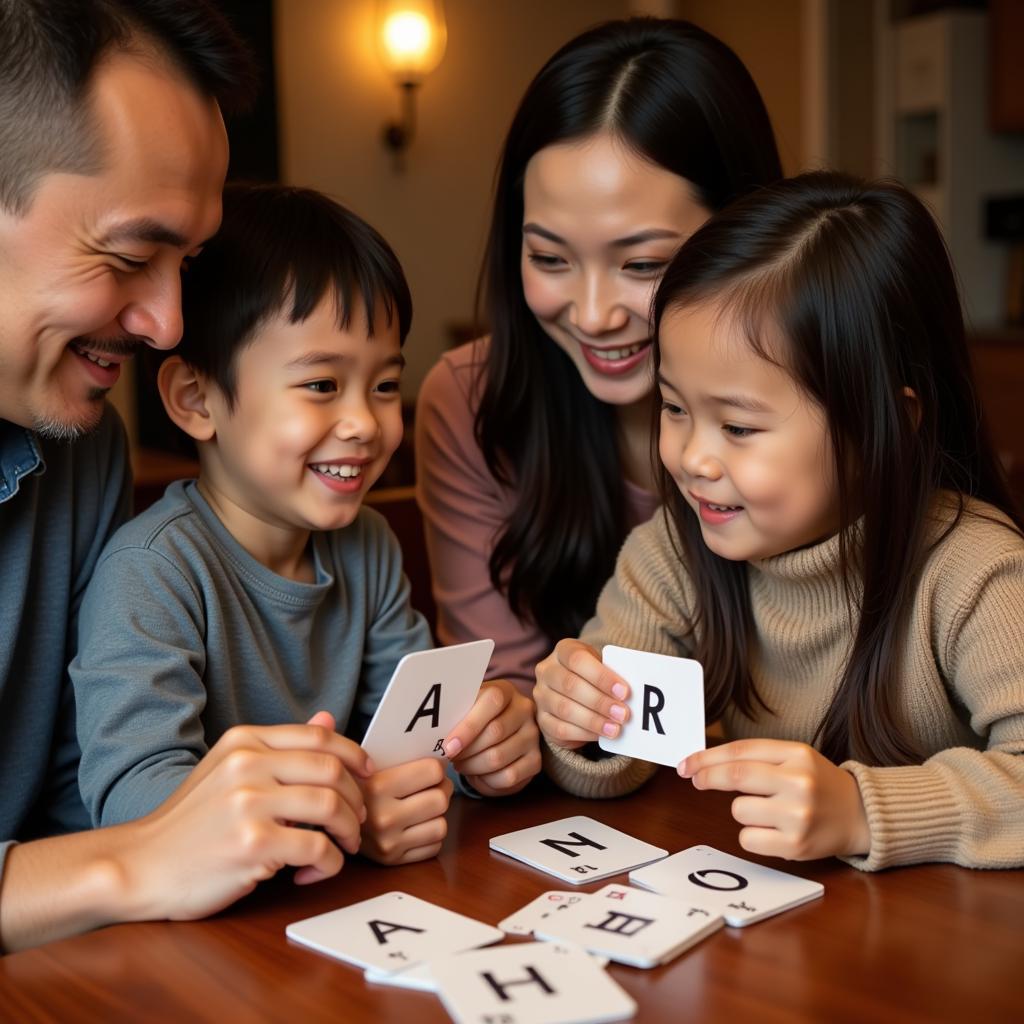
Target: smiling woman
[(532, 445)]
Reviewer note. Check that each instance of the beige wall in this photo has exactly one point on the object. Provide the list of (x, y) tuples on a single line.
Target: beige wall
[(766, 35), (334, 100)]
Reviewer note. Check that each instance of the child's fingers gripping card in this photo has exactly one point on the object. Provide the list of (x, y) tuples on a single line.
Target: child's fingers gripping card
[(577, 849), (741, 891), (429, 693), (534, 982), (631, 926), (391, 932), (666, 706)]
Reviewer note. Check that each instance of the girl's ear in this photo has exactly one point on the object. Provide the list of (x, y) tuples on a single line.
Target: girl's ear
[(184, 393), (913, 405)]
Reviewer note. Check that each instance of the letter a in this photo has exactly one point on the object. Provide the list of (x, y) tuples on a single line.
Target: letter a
[(430, 708), (382, 929)]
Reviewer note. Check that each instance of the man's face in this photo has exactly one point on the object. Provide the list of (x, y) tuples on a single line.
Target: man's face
[(91, 271)]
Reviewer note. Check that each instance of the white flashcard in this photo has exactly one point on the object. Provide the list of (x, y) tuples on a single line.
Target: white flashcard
[(666, 704), (741, 891), (417, 977), (524, 920), (391, 932), (534, 982), (631, 926), (577, 849), (430, 692), (421, 978)]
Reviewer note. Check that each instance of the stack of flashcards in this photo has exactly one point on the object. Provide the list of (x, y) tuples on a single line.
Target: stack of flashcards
[(577, 849), (630, 926)]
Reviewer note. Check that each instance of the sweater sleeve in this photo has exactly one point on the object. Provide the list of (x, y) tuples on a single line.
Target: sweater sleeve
[(647, 605), (464, 510), (138, 680), (964, 805)]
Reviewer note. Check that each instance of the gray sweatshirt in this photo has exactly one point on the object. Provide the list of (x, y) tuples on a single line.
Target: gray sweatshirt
[(183, 634)]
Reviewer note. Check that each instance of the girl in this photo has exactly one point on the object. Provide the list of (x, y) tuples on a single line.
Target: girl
[(532, 444), (838, 547)]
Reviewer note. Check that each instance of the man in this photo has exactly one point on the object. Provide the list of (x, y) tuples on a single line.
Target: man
[(112, 160)]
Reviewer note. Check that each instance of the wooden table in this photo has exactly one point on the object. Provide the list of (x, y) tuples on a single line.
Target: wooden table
[(916, 944)]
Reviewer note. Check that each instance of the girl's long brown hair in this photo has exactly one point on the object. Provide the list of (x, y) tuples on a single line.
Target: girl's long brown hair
[(856, 278)]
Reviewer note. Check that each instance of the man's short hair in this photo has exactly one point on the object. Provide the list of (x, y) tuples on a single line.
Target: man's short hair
[(48, 52), (281, 251)]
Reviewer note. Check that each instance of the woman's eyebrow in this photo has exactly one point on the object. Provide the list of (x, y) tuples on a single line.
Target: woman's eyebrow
[(535, 229), (648, 235)]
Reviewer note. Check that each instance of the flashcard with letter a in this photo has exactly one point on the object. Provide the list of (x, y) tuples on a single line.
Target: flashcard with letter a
[(666, 703), (577, 849), (391, 932), (429, 693), (741, 891), (529, 983)]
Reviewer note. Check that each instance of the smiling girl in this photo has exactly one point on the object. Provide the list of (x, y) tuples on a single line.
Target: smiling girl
[(838, 547), (532, 444)]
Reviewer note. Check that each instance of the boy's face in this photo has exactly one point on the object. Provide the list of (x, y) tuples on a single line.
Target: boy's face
[(317, 415)]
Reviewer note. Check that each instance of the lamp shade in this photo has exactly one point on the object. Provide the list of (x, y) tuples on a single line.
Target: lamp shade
[(411, 37)]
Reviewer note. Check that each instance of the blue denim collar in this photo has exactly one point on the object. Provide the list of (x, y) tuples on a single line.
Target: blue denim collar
[(19, 456)]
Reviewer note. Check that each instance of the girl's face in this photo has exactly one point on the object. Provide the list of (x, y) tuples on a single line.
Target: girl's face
[(600, 223), (748, 449)]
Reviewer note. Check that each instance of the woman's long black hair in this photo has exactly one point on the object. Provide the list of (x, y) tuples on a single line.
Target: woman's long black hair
[(683, 100), (856, 278)]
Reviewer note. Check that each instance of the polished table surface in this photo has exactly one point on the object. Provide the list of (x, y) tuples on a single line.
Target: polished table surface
[(916, 944)]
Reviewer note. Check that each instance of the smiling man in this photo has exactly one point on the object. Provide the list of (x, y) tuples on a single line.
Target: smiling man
[(112, 160)]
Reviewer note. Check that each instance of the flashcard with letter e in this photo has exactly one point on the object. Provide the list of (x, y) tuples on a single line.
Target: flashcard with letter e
[(391, 932), (741, 891), (529, 983), (429, 693), (666, 702), (642, 929), (577, 849)]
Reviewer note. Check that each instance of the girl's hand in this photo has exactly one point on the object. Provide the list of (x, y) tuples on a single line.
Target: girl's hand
[(799, 805), (578, 698), (496, 745), (405, 812)]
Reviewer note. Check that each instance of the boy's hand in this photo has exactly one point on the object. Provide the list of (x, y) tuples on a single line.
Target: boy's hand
[(229, 825), (799, 804), (405, 809), (578, 698), (496, 745)]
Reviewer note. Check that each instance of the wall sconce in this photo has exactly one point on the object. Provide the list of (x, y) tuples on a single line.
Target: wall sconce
[(411, 35)]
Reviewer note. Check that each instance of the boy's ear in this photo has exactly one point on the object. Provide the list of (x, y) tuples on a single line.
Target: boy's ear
[(184, 393)]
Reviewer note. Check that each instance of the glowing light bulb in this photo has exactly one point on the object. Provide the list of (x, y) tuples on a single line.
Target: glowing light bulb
[(407, 37)]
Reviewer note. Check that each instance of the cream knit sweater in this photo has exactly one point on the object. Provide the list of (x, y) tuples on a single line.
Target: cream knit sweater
[(961, 690)]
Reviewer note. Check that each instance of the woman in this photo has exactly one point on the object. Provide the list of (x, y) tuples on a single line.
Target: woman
[(533, 450)]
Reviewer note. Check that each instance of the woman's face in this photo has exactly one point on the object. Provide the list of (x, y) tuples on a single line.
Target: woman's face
[(600, 224)]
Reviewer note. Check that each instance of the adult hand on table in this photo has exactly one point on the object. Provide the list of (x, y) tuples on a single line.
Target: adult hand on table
[(234, 821)]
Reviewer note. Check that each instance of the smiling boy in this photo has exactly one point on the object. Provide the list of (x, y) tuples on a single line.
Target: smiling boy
[(264, 592)]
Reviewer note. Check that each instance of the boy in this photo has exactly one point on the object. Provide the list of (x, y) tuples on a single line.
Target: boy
[(262, 592)]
